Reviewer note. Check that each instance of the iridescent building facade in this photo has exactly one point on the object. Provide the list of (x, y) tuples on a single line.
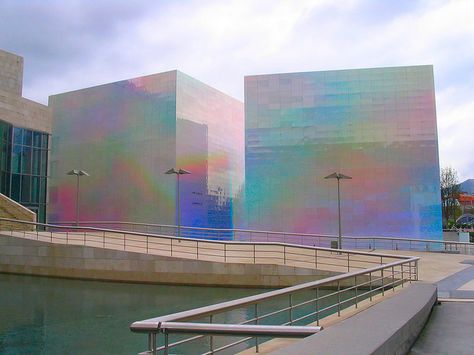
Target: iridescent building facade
[(127, 134), (376, 125)]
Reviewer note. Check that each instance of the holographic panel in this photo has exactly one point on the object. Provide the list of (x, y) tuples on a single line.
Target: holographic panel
[(123, 135), (210, 144), (376, 125), (127, 134)]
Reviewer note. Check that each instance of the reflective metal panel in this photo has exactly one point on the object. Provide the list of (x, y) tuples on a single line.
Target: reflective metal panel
[(127, 134), (376, 125)]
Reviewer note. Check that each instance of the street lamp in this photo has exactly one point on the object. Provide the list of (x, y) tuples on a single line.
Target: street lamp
[(78, 174), (178, 173), (338, 176)]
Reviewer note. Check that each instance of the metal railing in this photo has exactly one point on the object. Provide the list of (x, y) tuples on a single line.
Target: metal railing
[(323, 240), (366, 274), (301, 304), (278, 253)]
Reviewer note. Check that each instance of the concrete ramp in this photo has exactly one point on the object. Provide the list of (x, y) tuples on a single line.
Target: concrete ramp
[(389, 327)]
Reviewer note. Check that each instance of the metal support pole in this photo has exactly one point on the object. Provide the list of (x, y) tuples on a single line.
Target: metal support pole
[(339, 214), (77, 200), (178, 207)]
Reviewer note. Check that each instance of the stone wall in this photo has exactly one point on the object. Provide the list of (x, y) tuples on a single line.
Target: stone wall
[(24, 113), (15, 109), (13, 210), (11, 73), (23, 256)]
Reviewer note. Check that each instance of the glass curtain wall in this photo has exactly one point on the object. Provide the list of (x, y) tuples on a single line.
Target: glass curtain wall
[(23, 167)]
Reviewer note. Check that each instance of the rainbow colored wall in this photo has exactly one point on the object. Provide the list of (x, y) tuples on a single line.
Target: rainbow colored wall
[(127, 134), (376, 125)]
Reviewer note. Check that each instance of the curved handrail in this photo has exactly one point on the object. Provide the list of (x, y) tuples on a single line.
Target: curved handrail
[(237, 230), (153, 323), (236, 242)]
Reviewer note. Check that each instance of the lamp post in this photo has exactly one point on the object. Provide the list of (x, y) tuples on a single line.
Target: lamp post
[(338, 176), (178, 173), (78, 174)]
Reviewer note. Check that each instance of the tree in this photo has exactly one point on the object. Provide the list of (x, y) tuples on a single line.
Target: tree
[(449, 193)]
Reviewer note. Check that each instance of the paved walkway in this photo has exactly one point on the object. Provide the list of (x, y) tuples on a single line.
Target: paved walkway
[(450, 329)]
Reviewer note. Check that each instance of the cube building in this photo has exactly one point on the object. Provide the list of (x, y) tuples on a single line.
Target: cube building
[(376, 125), (127, 134)]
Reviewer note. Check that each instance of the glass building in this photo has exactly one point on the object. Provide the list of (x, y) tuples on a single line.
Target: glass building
[(24, 140), (127, 134), (23, 167), (376, 125)]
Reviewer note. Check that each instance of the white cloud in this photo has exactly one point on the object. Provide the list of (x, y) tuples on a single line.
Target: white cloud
[(219, 42)]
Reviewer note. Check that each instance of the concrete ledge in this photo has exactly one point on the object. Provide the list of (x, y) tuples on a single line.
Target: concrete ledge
[(389, 327), (31, 257)]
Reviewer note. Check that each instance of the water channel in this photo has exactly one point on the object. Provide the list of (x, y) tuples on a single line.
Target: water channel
[(40, 315)]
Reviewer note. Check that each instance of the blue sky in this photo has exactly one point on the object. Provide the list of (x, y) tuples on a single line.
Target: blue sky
[(69, 45)]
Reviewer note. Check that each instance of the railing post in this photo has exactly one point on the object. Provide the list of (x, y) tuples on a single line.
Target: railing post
[(370, 286), (291, 308), (317, 306), (315, 258), (147, 249), (256, 322), (403, 274), (338, 298), (254, 256), (356, 290), (416, 269), (348, 263), (166, 343), (383, 288), (197, 250), (153, 344), (171, 246), (409, 270), (225, 252), (393, 279), (211, 338), (284, 255)]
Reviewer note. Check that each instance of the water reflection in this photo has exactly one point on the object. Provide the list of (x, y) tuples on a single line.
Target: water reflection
[(40, 315)]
